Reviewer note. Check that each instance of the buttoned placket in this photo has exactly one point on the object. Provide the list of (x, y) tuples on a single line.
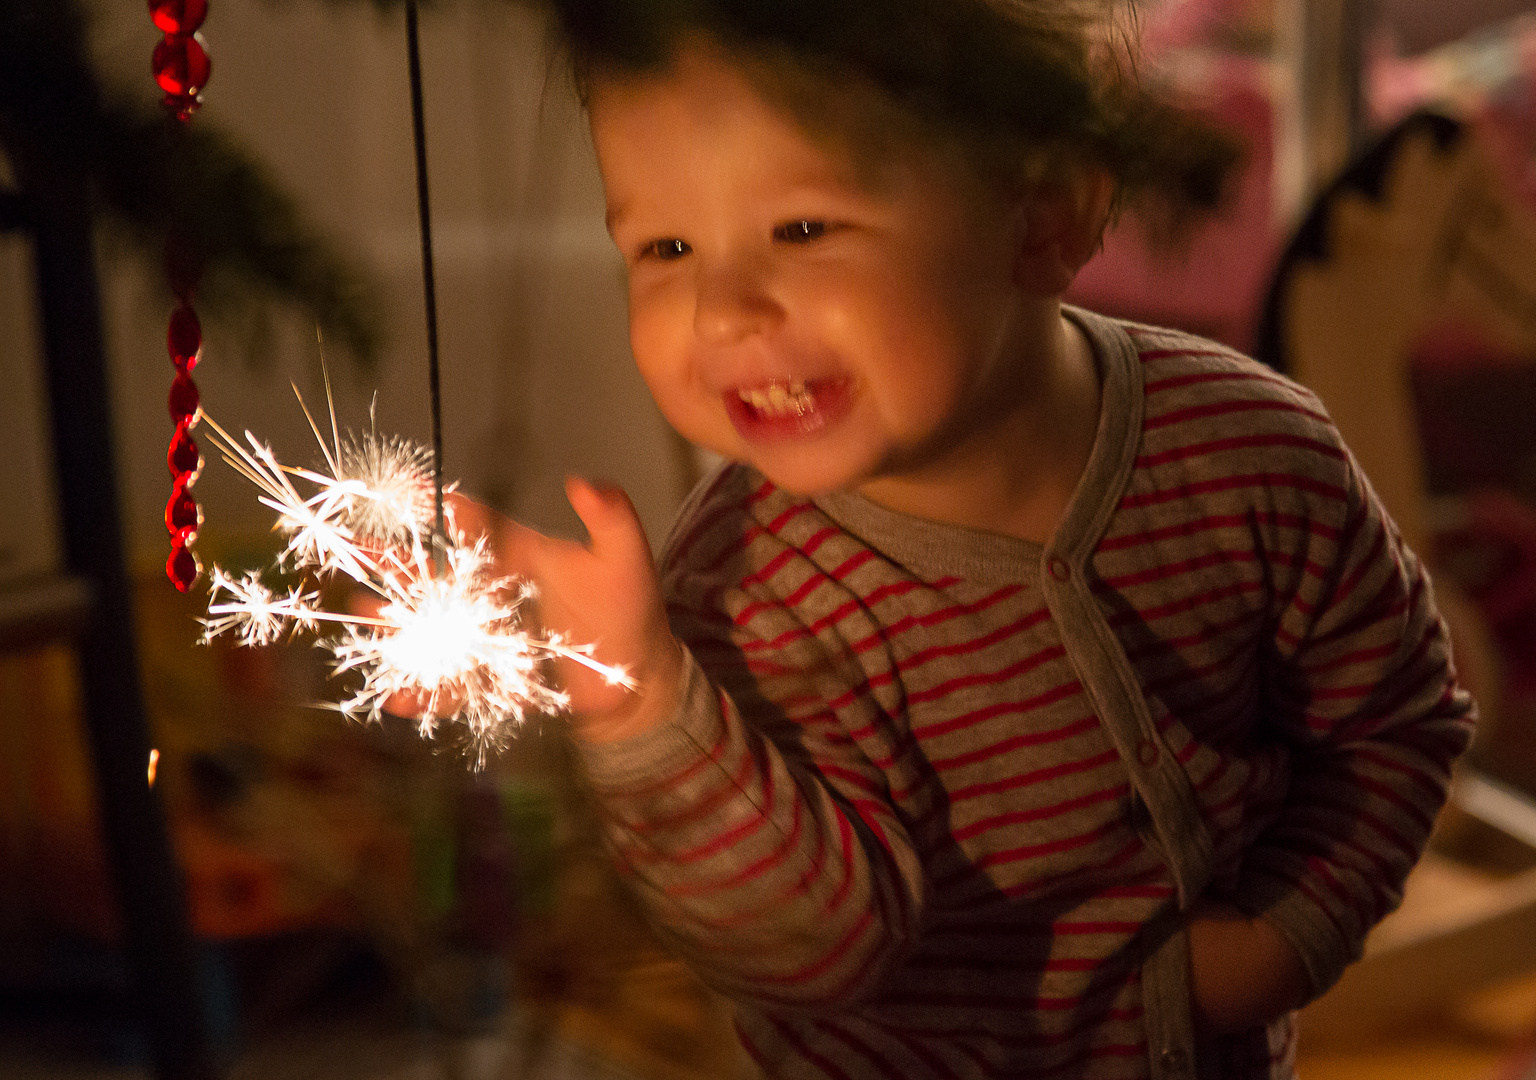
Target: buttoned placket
[(1158, 780)]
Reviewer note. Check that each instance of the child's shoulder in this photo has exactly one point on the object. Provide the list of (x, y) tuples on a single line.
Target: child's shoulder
[(1180, 369), (1223, 428)]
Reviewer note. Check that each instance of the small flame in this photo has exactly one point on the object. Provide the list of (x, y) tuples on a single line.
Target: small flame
[(154, 765)]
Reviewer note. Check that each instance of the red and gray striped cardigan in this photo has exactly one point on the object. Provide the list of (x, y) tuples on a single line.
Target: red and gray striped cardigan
[(936, 797)]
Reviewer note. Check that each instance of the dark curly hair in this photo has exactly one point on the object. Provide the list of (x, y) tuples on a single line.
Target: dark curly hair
[(1019, 83)]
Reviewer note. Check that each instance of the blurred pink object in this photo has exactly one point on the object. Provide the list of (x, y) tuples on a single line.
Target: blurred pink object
[(1487, 79), (1214, 282)]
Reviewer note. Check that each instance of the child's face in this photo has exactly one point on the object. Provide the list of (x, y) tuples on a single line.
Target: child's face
[(828, 319)]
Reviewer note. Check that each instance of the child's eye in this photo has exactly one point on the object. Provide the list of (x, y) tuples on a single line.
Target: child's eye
[(667, 250), (800, 232)]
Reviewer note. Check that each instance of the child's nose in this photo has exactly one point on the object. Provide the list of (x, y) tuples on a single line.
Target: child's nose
[(733, 302)]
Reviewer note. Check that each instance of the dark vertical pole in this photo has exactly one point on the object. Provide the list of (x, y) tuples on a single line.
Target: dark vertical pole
[(1358, 19), (156, 934)]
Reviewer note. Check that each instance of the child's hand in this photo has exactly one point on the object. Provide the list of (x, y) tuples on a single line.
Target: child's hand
[(605, 595), (1244, 973)]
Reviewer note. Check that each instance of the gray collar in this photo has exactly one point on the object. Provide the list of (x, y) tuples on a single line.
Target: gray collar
[(933, 549)]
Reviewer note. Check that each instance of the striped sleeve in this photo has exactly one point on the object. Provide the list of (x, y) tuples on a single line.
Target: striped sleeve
[(760, 838), (1363, 688)]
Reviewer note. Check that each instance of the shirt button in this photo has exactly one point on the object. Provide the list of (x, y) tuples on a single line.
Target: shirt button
[(1147, 754), (1060, 570), (1175, 1064)]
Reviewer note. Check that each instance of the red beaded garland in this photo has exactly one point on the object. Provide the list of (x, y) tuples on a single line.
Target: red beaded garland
[(183, 458), (184, 338), (182, 514), (183, 400), (181, 64), (182, 566), (181, 68), (178, 16)]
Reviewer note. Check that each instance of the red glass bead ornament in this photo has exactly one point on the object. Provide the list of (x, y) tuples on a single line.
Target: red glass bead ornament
[(182, 566), (183, 399), (182, 514), (182, 106), (181, 68), (178, 16), (183, 458), (181, 64), (184, 338)]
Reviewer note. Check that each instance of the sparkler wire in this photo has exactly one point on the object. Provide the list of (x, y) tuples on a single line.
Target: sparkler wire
[(429, 278)]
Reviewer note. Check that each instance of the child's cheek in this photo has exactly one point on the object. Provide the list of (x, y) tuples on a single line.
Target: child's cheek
[(665, 364), (660, 327)]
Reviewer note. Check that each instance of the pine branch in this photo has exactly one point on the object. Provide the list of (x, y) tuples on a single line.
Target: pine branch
[(167, 182)]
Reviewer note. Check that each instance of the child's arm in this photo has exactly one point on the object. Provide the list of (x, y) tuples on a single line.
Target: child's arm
[(1361, 686), (781, 875)]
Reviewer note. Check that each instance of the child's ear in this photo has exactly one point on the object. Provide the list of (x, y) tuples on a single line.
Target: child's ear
[(1061, 226)]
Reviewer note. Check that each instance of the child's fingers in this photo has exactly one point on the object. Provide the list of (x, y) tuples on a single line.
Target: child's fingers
[(611, 522), (364, 602), (520, 550), (517, 547), (414, 704), (407, 703), (467, 517)]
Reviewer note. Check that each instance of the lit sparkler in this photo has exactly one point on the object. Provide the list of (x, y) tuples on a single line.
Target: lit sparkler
[(449, 634), (255, 614)]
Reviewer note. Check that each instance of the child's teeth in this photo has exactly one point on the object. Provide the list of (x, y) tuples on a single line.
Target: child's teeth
[(777, 400)]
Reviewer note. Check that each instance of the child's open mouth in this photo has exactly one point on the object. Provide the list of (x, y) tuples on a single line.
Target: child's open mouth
[(779, 399), (787, 408)]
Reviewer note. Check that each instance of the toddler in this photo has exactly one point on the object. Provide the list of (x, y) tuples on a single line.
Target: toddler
[(1030, 693)]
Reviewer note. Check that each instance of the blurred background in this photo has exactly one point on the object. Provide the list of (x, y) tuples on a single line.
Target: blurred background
[(341, 901)]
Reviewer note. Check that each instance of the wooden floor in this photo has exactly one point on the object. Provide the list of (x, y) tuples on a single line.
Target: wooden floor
[(597, 999), (650, 1017), (1433, 1058), (657, 1023), (1489, 1036), (672, 1030), (1447, 988)]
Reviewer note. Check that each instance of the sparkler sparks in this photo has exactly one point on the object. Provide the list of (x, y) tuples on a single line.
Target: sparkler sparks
[(451, 637), (255, 614), (391, 490)]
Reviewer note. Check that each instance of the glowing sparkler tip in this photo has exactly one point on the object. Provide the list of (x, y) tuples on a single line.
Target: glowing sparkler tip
[(618, 677), (451, 638), (386, 489)]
